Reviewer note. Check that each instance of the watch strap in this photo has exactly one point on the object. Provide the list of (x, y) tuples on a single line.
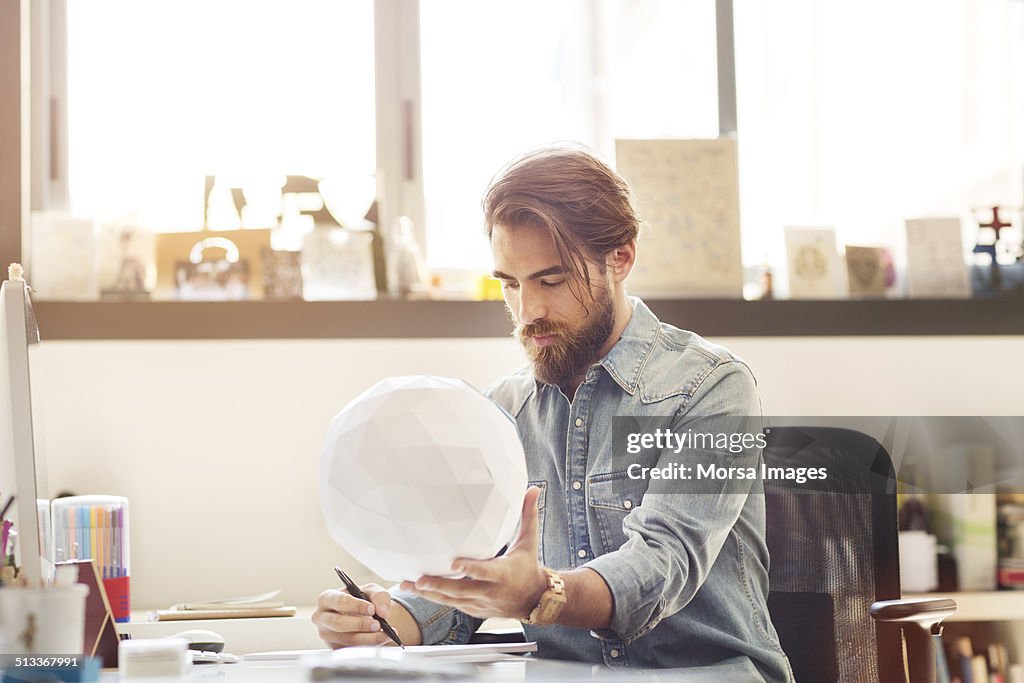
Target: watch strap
[(551, 603)]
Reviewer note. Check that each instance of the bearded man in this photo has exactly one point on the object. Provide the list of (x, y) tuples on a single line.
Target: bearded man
[(604, 569)]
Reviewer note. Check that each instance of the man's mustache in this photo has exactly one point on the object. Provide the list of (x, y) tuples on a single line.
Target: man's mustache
[(542, 328)]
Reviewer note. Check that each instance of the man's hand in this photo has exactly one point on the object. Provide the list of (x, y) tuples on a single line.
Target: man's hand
[(507, 586), (343, 620)]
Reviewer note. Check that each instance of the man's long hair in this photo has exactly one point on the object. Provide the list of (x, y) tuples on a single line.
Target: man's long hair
[(587, 207)]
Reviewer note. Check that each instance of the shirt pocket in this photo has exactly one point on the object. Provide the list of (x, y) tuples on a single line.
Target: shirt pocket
[(541, 500), (611, 497)]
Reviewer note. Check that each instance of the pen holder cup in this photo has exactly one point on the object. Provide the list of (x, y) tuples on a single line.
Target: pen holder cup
[(96, 528), (43, 621)]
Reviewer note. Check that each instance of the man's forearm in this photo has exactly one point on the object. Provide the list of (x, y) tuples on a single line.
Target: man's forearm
[(403, 622), (588, 600)]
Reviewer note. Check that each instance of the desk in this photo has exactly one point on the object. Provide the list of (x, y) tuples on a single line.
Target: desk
[(243, 636), (523, 669)]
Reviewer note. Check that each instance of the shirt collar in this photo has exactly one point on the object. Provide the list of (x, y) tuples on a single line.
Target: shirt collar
[(627, 358)]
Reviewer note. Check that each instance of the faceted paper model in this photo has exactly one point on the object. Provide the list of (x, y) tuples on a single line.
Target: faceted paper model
[(418, 471)]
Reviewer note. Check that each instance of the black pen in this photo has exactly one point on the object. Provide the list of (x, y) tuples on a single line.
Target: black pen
[(354, 591)]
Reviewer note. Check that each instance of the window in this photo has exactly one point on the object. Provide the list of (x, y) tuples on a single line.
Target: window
[(850, 115), (161, 95), (542, 72), (861, 115), (853, 116)]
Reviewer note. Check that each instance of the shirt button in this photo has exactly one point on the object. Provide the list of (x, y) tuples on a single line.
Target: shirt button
[(576, 486), (627, 504), (581, 554), (614, 654), (579, 421)]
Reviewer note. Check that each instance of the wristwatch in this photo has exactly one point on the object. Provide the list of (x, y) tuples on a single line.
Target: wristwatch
[(551, 604)]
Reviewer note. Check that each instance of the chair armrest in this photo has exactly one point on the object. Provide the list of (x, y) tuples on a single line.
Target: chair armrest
[(924, 618), (921, 610)]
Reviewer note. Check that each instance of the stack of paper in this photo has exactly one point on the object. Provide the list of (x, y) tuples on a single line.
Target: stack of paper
[(452, 653), (422, 661), (262, 605)]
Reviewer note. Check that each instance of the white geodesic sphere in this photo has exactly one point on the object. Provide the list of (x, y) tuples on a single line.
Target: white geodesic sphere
[(418, 471)]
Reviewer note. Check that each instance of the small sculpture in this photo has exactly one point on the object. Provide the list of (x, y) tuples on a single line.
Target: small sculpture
[(1001, 279)]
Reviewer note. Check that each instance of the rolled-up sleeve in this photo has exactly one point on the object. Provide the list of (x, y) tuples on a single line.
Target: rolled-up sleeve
[(439, 624), (674, 537)]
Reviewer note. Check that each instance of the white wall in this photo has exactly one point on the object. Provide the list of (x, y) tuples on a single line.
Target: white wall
[(217, 444)]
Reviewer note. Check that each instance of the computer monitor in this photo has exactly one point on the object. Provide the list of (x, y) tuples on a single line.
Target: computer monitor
[(21, 471)]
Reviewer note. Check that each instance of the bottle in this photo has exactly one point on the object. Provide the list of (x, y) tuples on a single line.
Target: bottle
[(406, 269)]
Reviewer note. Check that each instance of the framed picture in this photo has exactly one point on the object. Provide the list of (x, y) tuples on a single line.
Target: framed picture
[(814, 270), (867, 270), (179, 275), (935, 259)]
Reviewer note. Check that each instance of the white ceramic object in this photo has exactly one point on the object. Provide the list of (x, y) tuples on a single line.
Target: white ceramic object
[(418, 471), (43, 621)]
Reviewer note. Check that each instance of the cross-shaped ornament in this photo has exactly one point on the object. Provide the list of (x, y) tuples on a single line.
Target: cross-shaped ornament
[(996, 224)]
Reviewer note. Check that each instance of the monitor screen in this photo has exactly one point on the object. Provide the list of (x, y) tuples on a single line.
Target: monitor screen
[(21, 469)]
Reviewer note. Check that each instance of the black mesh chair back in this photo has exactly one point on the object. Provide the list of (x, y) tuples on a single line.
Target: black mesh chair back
[(834, 551)]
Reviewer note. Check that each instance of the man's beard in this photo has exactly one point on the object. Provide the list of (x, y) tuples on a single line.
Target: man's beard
[(573, 350)]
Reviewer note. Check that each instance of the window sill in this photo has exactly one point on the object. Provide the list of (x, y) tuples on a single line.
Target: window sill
[(64, 320)]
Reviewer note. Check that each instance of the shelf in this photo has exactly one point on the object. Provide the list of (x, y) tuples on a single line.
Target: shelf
[(982, 605), (467, 319)]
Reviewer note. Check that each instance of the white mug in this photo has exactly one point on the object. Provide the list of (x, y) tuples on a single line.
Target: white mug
[(43, 621), (919, 565)]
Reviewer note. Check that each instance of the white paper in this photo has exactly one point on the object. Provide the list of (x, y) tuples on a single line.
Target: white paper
[(814, 266), (688, 196), (450, 651), (283, 655), (261, 600), (445, 652), (433, 661), (935, 259), (247, 599)]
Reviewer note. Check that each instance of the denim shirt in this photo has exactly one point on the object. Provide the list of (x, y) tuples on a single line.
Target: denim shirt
[(688, 572)]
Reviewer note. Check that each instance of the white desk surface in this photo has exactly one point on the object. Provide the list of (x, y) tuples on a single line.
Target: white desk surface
[(524, 669)]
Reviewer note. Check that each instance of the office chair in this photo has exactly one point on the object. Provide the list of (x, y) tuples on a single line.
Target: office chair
[(834, 573)]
